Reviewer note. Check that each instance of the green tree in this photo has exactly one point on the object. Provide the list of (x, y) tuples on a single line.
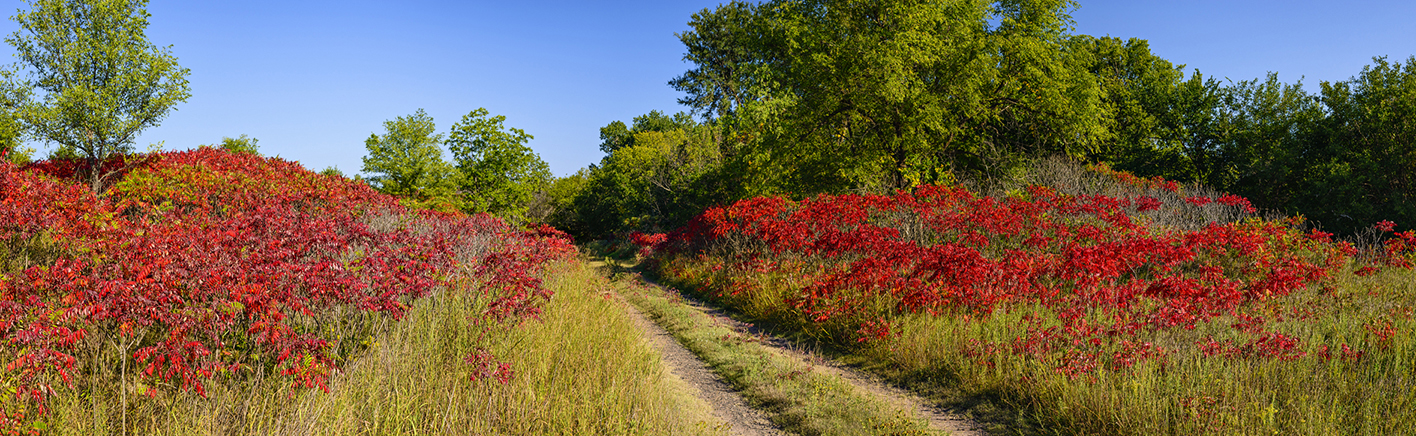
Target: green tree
[(616, 135), (241, 145), (656, 184), (407, 162), (1362, 159), (1158, 121), (731, 70), (1263, 132), (890, 93), (499, 174), (555, 205), (12, 129), (100, 81)]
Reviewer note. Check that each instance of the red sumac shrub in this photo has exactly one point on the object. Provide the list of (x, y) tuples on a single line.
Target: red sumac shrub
[(201, 262)]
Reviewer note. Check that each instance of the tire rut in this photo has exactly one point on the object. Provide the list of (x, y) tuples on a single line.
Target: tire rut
[(938, 418), (728, 406)]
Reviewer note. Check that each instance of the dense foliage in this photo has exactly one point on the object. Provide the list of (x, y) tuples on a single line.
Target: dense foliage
[(656, 176), (802, 97), (1341, 157), (1094, 299), (210, 265), (943, 249)]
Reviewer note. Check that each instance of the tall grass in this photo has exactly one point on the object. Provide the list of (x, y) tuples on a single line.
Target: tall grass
[(1353, 370), (583, 369), (791, 393), (1187, 393)]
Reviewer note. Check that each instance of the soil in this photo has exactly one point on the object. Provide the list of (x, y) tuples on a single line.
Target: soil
[(728, 406), (938, 418), (741, 419)]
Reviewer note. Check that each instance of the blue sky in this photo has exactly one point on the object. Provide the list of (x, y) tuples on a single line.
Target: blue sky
[(312, 79)]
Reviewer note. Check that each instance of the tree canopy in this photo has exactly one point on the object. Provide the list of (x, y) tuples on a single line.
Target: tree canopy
[(99, 81), (499, 174), (492, 171), (616, 135), (896, 92), (407, 161)]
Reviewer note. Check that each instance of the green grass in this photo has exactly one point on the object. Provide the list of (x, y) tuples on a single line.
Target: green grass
[(585, 369), (792, 395)]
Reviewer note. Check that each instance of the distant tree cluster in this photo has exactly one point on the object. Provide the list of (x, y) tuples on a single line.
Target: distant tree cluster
[(659, 171), (492, 171), (1345, 157)]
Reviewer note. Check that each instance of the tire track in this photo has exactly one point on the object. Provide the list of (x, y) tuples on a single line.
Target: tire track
[(728, 406), (938, 418)]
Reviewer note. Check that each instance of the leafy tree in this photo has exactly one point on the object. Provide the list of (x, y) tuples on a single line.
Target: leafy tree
[(101, 82), (1158, 121), (1363, 154), (241, 145), (556, 204), (616, 135), (499, 173), (1262, 134), (896, 92), (12, 129), (406, 161), (731, 71), (656, 184)]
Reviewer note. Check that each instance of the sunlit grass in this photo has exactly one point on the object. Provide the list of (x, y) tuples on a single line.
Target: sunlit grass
[(1185, 393), (583, 369), (792, 395)]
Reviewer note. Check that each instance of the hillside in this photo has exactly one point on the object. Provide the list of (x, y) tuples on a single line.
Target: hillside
[(205, 267)]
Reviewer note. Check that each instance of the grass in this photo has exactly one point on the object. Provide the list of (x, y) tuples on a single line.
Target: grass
[(585, 369), (1185, 394), (1217, 377), (1190, 393), (793, 396)]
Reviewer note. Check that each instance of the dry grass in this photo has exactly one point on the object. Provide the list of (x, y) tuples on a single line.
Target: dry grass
[(1186, 393), (790, 392), (584, 369)]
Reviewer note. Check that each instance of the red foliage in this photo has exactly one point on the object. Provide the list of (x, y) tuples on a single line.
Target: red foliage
[(1398, 250), (943, 249), (648, 243), (74, 169), (1155, 182), (202, 260)]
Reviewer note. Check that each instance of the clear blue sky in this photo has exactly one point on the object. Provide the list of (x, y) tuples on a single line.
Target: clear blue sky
[(312, 79)]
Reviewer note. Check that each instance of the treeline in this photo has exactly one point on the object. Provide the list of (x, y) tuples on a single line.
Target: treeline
[(1343, 157), (808, 96), (799, 97)]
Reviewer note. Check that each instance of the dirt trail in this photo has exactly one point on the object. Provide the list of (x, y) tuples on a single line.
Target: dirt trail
[(742, 420), (727, 405), (939, 419)]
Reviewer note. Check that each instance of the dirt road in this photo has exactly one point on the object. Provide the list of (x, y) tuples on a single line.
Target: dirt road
[(739, 418)]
